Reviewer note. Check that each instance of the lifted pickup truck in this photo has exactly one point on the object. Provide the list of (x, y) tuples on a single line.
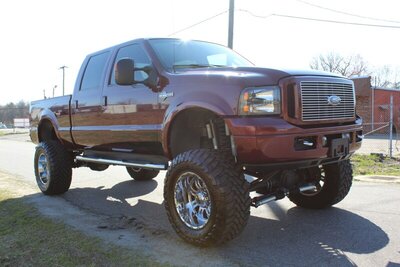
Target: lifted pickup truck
[(209, 117)]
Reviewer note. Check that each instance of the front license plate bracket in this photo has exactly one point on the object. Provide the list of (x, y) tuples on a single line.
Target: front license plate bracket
[(339, 147)]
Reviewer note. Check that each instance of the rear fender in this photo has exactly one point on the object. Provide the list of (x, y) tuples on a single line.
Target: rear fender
[(48, 115)]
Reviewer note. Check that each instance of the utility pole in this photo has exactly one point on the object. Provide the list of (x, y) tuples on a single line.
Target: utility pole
[(55, 86), (44, 93), (63, 70), (231, 20)]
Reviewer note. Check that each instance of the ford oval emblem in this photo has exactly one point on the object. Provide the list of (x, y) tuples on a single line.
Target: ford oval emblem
[(334, 100)]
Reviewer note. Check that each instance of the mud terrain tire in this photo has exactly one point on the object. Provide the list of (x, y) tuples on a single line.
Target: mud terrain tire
[(141, 174), (337, 182), (218, 190), (53, 167)]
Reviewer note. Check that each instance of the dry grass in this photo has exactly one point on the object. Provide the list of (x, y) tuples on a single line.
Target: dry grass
[(28, 239), (375, 165)]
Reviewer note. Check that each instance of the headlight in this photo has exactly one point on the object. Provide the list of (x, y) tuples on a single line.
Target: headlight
[(260, 101)]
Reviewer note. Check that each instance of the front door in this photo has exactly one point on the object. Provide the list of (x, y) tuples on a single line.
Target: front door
[(131, 113)]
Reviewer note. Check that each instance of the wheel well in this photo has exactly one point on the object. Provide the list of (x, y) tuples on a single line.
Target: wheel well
[(189, 131), (46, 131)]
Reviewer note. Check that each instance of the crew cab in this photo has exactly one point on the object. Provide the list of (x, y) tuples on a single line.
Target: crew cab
[(221, 127)]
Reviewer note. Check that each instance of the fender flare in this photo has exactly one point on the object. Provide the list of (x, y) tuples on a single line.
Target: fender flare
[(222, 109), (48, 115)]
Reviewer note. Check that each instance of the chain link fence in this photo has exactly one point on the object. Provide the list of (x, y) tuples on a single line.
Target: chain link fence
[(381, 132)]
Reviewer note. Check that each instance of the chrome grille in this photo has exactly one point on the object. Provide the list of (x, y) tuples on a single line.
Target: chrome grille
[(315, 104)]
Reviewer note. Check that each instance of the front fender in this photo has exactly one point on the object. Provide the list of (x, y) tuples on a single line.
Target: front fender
[(213, 103)]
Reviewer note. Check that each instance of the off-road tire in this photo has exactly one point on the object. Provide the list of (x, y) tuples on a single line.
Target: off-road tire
[(337, 183), (141, 174), (228, 190), (58, 167)]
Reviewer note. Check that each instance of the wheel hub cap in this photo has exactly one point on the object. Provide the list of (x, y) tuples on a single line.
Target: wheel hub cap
[(192, 200), (42, 169)]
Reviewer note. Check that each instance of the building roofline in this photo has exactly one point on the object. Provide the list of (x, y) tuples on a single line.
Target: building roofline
[(360, 77), (385, 89)]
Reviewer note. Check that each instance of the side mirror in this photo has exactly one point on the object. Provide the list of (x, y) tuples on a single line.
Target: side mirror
[(124, 72), (125, 75)]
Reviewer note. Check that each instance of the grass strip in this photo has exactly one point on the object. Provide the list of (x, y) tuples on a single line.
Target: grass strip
[(375, 164), (29, 239)]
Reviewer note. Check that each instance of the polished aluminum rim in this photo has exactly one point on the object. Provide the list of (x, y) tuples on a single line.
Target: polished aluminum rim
[(43, 169), (192, 200)]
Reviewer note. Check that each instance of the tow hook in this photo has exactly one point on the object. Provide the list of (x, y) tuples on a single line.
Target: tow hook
[(279, 194)]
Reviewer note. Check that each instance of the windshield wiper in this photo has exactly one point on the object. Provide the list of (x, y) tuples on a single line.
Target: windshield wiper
[(195, 66)]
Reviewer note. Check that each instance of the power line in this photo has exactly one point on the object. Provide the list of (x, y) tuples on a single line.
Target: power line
[(346, 13), (254, 15), (297, 17), (200, 22), (320, 20), (338, 22)]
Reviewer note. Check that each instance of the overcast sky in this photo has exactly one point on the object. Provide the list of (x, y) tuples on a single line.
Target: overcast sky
[(37, 37)]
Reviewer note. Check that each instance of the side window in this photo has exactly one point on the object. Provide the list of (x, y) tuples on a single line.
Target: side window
[(136, 53), (93, 72)]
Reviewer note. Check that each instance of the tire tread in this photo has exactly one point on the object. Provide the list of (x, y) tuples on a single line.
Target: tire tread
[(233, 195)]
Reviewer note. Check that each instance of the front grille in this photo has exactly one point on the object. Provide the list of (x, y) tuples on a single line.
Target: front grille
[(315, 104)]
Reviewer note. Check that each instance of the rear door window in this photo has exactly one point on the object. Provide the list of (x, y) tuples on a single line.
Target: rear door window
[(92, 78)]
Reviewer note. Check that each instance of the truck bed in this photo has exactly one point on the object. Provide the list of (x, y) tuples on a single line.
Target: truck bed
[(54, 110)]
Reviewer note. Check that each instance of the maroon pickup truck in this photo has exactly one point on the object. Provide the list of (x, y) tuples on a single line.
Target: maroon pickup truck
[(209, 117)]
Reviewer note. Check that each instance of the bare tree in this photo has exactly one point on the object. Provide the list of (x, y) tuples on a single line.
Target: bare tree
[(349, 66), (386, 77), (381, 76), (11, 111)]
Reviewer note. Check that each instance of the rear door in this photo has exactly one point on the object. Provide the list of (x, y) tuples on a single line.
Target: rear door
[(86, 104)]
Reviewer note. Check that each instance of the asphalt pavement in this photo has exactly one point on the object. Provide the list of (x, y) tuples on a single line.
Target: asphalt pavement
[(362, 230)]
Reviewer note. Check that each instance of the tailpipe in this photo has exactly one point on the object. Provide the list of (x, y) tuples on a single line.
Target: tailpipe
[(258, 201), (309, 187)]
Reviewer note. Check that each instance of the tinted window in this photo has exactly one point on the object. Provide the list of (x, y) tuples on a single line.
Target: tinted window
[(93, 72), (140, 58)]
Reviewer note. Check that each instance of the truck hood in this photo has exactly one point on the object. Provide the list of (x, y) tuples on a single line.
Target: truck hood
[(254, 75)]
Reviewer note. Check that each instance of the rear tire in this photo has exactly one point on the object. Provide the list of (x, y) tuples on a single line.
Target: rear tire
[(53, 167), (139, 174), (206, 198), (337, 180)]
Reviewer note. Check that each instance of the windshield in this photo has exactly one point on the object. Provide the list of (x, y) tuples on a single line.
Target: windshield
[(176, 54)]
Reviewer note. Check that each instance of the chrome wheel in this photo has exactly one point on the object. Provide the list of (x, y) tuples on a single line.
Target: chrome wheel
[(43, 169), (192, 200)]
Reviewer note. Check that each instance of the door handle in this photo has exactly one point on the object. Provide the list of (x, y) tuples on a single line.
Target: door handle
[(76, 104), (165, 95), (105, 100)]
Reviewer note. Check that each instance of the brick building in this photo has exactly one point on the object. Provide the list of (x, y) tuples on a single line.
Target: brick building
[(373, 105)]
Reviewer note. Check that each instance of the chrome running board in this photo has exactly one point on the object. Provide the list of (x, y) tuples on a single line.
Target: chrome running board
[(151, 166)]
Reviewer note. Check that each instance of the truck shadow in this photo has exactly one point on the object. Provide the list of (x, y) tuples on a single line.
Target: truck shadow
[(293, 236), (111, 201), (312, 237)]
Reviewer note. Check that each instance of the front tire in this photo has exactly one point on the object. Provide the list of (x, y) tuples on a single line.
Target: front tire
[(206, 198), (53, 168), (337, 180)]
